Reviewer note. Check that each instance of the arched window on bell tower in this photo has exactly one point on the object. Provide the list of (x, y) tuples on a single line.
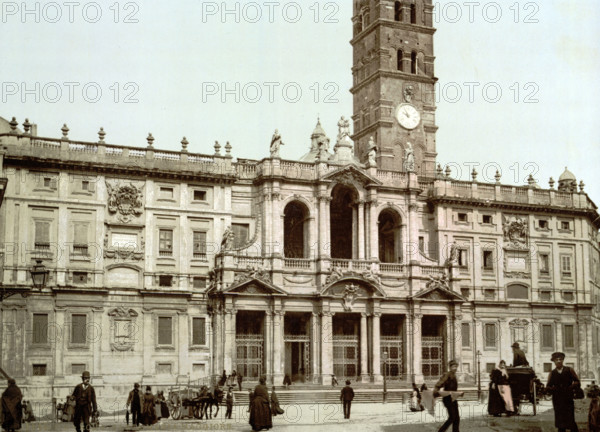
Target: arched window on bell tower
[(400, 63), (413, 14), (413, 62), (398, 11)]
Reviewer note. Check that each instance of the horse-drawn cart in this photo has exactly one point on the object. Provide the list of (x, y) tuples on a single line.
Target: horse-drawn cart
[(524, 385), (193, 401)]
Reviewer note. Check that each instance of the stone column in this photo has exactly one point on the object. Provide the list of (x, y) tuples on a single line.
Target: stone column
[(269, 345), (326, 346), (60, 346), (373, 228), (324, 238), (229, 344), (219, 364), (364, 349), (361, 230), (457, 325), (417, 365), (266, 220), (277, 345), (376, 337), (314, 346), (183, 344)]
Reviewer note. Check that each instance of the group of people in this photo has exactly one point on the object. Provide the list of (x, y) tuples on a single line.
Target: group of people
[(145, 408), (230, 380)]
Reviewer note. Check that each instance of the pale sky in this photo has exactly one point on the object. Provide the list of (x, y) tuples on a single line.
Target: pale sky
[(177, 61)]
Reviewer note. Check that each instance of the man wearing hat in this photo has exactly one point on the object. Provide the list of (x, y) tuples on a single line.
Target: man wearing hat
[(561, 382), (85, 403), (450, 384), (519, 358), (135, 400)]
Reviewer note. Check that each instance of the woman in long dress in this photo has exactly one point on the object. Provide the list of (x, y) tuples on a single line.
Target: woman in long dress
[(500, 396), (12, 411), (260, 410), (148, 410)]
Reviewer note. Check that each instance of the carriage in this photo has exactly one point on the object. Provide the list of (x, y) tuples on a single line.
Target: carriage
[(526, 386), (193, 401)]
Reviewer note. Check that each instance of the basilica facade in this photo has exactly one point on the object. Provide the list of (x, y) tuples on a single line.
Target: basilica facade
[(363, 258)]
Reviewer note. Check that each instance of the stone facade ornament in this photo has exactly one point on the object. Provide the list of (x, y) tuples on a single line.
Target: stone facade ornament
[(371, 276), (336, 274), (349, 296), (343, 128), (123, 323), (438, 282), (125, 201), (409, 92), (276, 143), (515, 232), (372, 154), (453, 257), (257, 272), (227, 239), (409, 158)]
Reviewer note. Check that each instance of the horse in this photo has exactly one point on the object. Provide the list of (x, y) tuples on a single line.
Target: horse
[(209, 400)]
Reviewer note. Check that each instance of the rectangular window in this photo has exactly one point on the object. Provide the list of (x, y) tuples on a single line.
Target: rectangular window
[(487, 219), (569, 336), (199, 195), (462, 217), (199, 282), (166, 193), (565, 225), (80, 239), (165, 242), (200, 244), (77, 368), (488, 260), (42, 236), (85, 185), (466, 335), (165, 280), (543, 224), (165, 331), (547, 336), (78, 328), (198, 331), (422, 244), (39, 370), (47, 182), (40, 328), (462, 258), (241, 233), (544, 262), (164, 369), (565, 265), (80, 278), (490, 335)]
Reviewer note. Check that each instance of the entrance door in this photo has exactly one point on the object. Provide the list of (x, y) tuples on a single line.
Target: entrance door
[(297, 357), (432, 346)]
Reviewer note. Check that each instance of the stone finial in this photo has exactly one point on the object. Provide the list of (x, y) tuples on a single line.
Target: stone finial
[(448, 171), (184, 144), (65, 132), (498, 176), (27, 126), (228, 149), (439, 171), (101, 135), (217, 148), (530, 180), (581, 186), (150, 140), (474, 174), (13, 124), (551, 182)]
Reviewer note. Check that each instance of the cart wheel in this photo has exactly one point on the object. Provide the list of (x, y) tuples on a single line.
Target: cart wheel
[(175, 412), (196, 411)]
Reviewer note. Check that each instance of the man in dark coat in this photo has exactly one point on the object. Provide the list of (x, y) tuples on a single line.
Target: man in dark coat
[(561, 382), (12, 411), (519, 358), (240, 377), (260, 409), (346, 397), (450, 384), (85, 403), (135, 400)]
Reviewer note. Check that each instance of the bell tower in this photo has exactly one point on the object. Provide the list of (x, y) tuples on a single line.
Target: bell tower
[(394, 82)]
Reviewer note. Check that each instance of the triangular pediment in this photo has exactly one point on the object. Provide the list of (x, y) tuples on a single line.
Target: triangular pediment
[(254, 287), (351, 174), (438, 294)]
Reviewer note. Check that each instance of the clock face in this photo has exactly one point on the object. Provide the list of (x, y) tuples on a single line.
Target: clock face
[(408, 116)]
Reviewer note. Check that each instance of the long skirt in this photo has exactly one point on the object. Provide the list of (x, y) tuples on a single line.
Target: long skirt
[(496, 403), (506, 395)]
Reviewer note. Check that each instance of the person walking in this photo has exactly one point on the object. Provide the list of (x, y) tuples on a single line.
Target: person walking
[(85, 403), (346, 397), (275, 408), (593, 393), (148, 410), (135, 401), (287, 381), (450, 384), (415, 399), (260, 410), (12, 410), (334, 381), (240, 377), (229, 401), (223, 379), (562, 381), (500, 396)]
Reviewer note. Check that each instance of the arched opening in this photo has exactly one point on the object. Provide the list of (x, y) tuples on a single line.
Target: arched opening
[(413, 14), (342, 216), (400, 62), (398, 11), (295, 230), (389, 237), (413, 62)]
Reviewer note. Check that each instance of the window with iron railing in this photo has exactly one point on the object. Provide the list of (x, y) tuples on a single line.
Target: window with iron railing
[(165, 243)]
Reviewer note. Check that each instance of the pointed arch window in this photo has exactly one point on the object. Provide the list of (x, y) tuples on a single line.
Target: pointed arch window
[(413, 62), (398, 11), (400, 63), (413, 14)]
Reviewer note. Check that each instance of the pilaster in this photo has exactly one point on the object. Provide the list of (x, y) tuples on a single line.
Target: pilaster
[(364, 349), (417, 365), (326, 346), (376, 337)]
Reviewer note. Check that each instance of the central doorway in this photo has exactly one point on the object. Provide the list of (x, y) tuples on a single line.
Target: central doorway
[(297, 346)]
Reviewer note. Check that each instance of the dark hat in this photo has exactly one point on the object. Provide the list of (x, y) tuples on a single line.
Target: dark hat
[(85, 374), (453, 363), (557, 355), (136, 385), (347, 382), (148, 388), (515, 345)]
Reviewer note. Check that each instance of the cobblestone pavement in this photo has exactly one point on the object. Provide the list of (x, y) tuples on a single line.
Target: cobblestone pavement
[(365, 418)]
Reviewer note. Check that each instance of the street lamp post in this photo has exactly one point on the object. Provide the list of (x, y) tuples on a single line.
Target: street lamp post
[(385, 359), (478, 375)]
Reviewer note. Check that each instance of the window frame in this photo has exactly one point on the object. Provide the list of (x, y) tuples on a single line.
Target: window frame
[(573, 339), (171, 345), (486, 345), (194, 345), (72, 343), (566, 258), (544, 347), (162, 251), (34, 334), (467, 326)]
